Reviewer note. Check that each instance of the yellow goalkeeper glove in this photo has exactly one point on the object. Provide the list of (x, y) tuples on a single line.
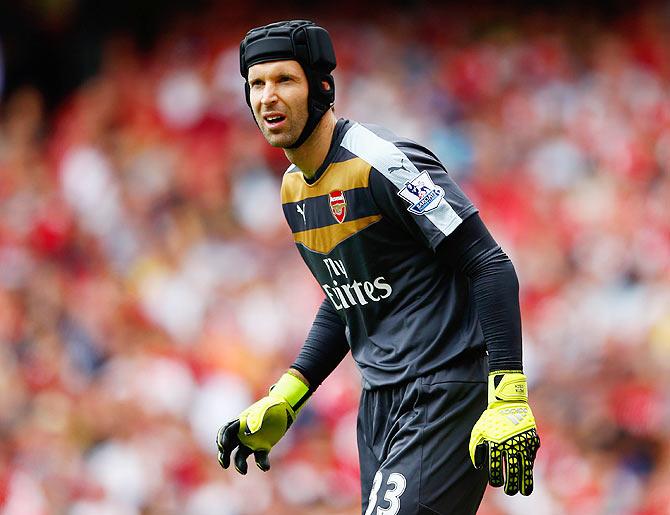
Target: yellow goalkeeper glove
[(505, 436), (259, 427)]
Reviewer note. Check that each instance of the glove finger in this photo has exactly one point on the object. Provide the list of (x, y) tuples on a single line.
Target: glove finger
[(480, 455), (526, 487), (262, 460), (535, 445), (224, 460), (227, 440), (227, 437), (512, 472), (527, 462), (243, 452), (495, 465)]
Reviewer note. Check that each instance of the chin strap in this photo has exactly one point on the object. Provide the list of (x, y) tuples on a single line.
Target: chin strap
[(318, 105)]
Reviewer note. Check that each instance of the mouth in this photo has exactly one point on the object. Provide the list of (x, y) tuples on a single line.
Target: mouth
[(274, 120)]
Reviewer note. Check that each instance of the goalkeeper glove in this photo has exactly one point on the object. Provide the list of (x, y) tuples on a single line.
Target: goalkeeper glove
[(259, 427), (505, 436)]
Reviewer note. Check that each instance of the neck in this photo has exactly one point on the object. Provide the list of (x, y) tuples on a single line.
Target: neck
[(312, 153)]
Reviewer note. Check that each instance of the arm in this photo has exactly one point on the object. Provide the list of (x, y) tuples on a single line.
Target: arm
[(258, 428), (324, 349), (506, 430), (471, 250)]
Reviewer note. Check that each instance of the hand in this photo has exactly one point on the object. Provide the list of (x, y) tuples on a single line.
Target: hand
[(505, 436), (259, 427)]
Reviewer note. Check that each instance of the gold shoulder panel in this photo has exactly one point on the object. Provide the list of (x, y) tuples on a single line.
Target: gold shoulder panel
[(346, 175)]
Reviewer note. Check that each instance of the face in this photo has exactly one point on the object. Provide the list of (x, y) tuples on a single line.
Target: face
[(278, 94)]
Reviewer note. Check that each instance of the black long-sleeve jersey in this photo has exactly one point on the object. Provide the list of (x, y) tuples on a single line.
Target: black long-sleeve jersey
[(368, 227)]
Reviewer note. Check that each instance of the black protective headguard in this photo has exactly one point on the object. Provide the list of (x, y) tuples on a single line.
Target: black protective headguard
[(298, 40)]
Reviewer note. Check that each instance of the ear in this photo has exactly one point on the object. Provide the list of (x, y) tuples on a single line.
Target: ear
[(325, 85)]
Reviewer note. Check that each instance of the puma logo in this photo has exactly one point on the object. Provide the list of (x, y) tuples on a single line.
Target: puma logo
[(301, 210), (396, 168)]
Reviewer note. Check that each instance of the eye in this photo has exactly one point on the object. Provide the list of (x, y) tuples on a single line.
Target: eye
[(255, 83), (285, 78)]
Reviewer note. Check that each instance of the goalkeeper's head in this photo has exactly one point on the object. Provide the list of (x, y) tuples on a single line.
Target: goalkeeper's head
[(287, 66)]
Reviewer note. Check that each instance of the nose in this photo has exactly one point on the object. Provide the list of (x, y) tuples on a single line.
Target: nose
[(269, 95)]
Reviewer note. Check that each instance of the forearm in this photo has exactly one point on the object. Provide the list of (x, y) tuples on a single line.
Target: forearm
[(472, 251), (324, 348), (495, 288)]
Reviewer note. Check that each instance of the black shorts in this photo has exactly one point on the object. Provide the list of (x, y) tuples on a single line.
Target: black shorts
[(413, 447)]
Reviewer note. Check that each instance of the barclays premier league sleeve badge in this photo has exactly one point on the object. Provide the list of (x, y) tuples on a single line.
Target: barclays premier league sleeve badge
[(422, 194)]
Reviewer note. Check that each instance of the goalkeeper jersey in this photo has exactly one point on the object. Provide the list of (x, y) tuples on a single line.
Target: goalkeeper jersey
[(367, 226)]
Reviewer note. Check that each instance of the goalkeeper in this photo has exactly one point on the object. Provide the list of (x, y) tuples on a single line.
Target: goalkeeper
[(415, 288)]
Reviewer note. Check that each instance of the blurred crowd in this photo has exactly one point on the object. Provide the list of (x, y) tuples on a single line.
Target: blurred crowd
[(150, 290)]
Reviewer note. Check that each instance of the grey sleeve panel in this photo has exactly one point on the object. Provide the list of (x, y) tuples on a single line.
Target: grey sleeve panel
[(410, 185)]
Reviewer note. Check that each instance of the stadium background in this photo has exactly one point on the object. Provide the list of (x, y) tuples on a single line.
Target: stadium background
[(149, 289)]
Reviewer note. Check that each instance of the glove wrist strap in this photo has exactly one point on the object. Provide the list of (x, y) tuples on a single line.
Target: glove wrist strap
[(507, 386), (291, 389)]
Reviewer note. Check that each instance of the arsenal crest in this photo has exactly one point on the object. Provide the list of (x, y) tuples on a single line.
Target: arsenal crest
[(338, 205)]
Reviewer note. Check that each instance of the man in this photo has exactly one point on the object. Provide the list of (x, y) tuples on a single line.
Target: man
[(414, 285)]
